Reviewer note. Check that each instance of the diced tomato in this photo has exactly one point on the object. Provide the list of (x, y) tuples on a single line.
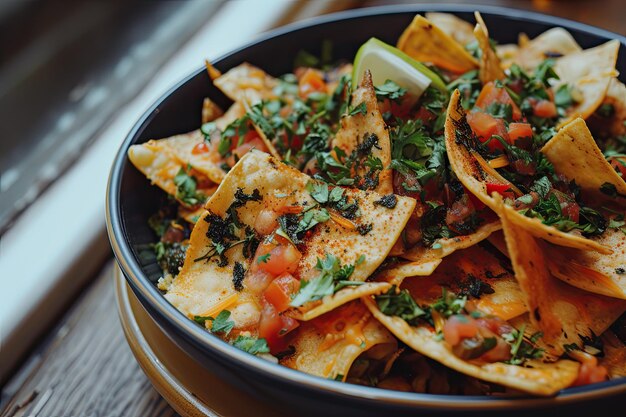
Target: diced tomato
[(492, 94), (572, 211), (502, 189), (266, 222), (273, 327), (283, 257), (257, 280), (484, 126), (590, 371), (544, 108), (459, 327), (619, 163), (200, 148), (569, 207), (312, 81), (519, 130), (279, 292), (478, 205), (501, 352)]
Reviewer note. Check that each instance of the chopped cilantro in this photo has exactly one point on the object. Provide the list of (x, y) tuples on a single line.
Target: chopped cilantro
[(186, 188), (251, 345), (360, 109), (390, 90), (221, 323), (332, 277)]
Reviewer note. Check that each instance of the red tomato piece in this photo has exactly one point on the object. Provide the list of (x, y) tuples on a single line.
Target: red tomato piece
[(485, 126), (459, 327), (619, 163), (502, 189), (200, 148), (590, 371), (519, 130), (492, 94), (545, 109), (282, 258), (312, 81), (273, 327), (279, 292), (478, 205)]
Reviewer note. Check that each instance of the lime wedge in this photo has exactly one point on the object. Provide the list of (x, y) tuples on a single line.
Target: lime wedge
[(388, 63)]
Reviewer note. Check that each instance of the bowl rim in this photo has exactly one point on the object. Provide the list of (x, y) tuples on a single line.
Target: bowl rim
[(200, 338)]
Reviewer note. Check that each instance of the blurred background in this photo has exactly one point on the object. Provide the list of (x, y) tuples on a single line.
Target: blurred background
[(74, 78)]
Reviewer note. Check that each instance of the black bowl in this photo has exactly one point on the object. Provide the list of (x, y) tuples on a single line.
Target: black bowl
[(131, 200)]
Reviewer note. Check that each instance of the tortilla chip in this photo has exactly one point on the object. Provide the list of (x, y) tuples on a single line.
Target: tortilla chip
[(460, 30), (398, 273), (539, 378), (234, 112), (341, 297), (559, 311), (476, 273), (203, 287), (475, 174), (425, 42), (590, 72), (612, 126), (328, 345), (355, 129), (532, 274), (507, 53), (210, 110), (160, 160), (575, 154), (592, 271), (246, 82), (551, 43), (447, 245), (490, 68)]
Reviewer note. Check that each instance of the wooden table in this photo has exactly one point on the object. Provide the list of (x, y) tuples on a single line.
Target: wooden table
[(84, 366)]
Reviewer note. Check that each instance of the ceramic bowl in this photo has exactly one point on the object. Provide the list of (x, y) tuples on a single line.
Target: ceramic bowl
[(131, 200)]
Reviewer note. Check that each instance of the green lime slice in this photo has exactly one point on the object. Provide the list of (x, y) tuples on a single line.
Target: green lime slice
[(388, 63)]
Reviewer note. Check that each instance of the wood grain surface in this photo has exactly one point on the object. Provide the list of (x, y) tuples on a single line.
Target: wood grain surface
[(85, 369)]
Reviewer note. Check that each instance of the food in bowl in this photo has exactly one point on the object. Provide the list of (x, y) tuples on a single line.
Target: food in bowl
[(437, 217)]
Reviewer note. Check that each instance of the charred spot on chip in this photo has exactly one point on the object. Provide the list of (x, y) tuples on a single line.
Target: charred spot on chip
[(364, 229), (389, 201), (474, 287), (238, 276)]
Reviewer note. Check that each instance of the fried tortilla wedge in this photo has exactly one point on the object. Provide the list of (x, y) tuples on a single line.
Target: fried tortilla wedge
[(490, 68), (246, 82), (398, 273), (539, 378), (161, 160), (205, 288), (590, 72), (425, 42), (447, 245), (611, 124), (592, 271), (328, 345), (460, 30), (476, 273), (575, 154), (552, 43), (561, 312), (475, 174), (355, 130)]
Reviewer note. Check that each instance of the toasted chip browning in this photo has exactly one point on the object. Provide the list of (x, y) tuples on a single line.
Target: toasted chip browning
[(328, 345), (201, 285), (541, 379), (424, 41), (475, 176)]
